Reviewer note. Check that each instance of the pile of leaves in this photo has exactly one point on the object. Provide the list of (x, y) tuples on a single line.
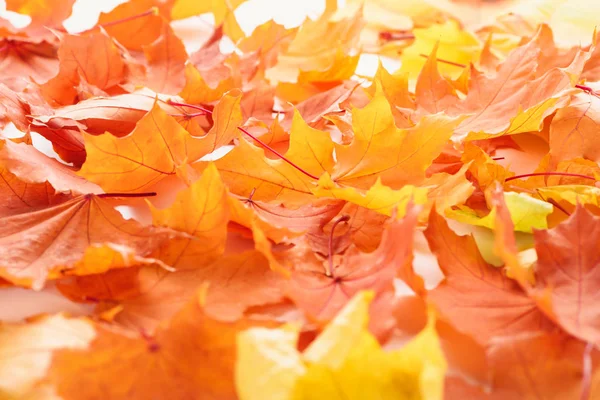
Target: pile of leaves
[(254, 219)]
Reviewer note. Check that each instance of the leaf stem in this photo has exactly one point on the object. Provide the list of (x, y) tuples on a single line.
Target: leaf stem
[(263, 144), (111, 195), (585, 88), (387, 35), (195, 107), (152, 11), (446, 61), (512, 178), (330, 270), (554, 203), (278, 154)]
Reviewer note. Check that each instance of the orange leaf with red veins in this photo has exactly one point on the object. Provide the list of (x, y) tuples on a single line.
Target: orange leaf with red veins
[(32, 166), (322, 288), (201, 210), (17, 196), (226, 116), (476, 297), (568, 271), (166, 62), (157, 148), (234, 284), (38, 243), (24, 58), (43, 13), (246, 170), (93, 58)]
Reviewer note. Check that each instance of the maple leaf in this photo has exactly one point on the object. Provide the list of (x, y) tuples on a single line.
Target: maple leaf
[(572, 129), (322, 290), (532, 97), (34, 243), (409, 152), (134, 157), (288, 177), (117, 114), (246, 170), (279, 223), (450, 42)]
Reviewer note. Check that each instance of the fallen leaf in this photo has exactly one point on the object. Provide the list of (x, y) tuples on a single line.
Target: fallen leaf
[(34, 243)]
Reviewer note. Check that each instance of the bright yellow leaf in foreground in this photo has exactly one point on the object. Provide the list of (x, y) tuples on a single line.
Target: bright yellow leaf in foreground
[(344, 362)]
